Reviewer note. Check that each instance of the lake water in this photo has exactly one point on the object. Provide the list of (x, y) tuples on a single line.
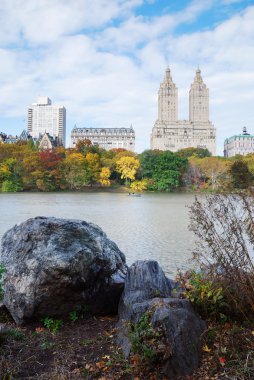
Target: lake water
[(153, 226)]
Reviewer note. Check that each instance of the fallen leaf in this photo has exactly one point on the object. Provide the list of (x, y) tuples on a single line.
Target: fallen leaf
[(39, 330), (89, 367), (206, 348), (135, 359), (222, 361), (100, 364)]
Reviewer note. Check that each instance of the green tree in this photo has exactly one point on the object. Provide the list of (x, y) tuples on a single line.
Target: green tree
[(162, 169), (240, 174)]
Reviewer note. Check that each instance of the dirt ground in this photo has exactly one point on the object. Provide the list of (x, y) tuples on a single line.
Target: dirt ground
[(86, 348), (82, 349)]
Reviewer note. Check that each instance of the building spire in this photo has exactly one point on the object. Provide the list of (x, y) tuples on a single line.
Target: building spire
[(198, 77), (168, 99), (168, 77)]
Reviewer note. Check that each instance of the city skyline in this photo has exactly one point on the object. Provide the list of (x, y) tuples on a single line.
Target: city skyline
[(105, 63)]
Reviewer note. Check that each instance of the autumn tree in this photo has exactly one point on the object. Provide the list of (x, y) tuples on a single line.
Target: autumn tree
[(76, 171), (138, 186), (93, 167), (81, 144), (104, 177), (193, 152), (51, 177), (11, 175), (127, 166), (214, 170)]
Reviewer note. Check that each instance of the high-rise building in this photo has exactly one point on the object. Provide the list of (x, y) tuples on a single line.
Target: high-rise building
[(106, 138), (43, 117), (242, 144), (172, 134)]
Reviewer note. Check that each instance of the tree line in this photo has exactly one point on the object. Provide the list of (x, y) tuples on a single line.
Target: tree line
[(23, 167)]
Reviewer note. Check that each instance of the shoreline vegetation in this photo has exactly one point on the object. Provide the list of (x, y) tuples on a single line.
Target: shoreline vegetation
[(89, 168)]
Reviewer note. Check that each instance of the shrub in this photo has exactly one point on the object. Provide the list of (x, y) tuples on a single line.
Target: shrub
[(224, 226), (208, 297)]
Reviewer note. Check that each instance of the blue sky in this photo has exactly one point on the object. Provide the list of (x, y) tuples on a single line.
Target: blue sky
[(104, 60)]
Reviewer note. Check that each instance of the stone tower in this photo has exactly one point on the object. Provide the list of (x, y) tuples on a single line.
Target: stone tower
[(198, 100), (167, 100), (172, 134)]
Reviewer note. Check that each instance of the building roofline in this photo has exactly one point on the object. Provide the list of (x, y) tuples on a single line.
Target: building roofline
[(233, 137)]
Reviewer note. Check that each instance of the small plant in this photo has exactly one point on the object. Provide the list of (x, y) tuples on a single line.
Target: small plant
[(80, 311), (146, 339), (206, 296), (53, 325), (12, 334), (73, 315), (15, 335)]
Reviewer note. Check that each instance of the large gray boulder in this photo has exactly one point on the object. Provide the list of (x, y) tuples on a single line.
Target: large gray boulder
[(53, 265), (148, 292)]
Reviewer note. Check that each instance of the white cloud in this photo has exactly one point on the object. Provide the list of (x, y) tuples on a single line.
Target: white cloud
[(111, 77), (44, 21)]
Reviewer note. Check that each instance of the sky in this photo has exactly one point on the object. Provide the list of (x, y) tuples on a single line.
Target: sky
[(104, 61)]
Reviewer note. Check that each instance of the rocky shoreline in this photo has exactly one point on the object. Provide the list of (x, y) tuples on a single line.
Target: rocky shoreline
[(54, 265)]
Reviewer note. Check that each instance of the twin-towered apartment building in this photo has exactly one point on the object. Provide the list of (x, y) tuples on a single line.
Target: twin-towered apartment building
[(170, 133)]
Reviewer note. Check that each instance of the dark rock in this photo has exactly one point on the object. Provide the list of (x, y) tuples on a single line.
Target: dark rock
[(2, 307), (52, 265), (182, 328), (183, 331), (145, 280)]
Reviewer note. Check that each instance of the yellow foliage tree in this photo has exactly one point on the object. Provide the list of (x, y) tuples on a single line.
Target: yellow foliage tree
[(104, 177), (76, 170), (139, 185), (127, 167), (94, 165), (213, 168)]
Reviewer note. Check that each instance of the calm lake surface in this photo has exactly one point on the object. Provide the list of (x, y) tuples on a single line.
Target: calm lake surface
[(153, 226)]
